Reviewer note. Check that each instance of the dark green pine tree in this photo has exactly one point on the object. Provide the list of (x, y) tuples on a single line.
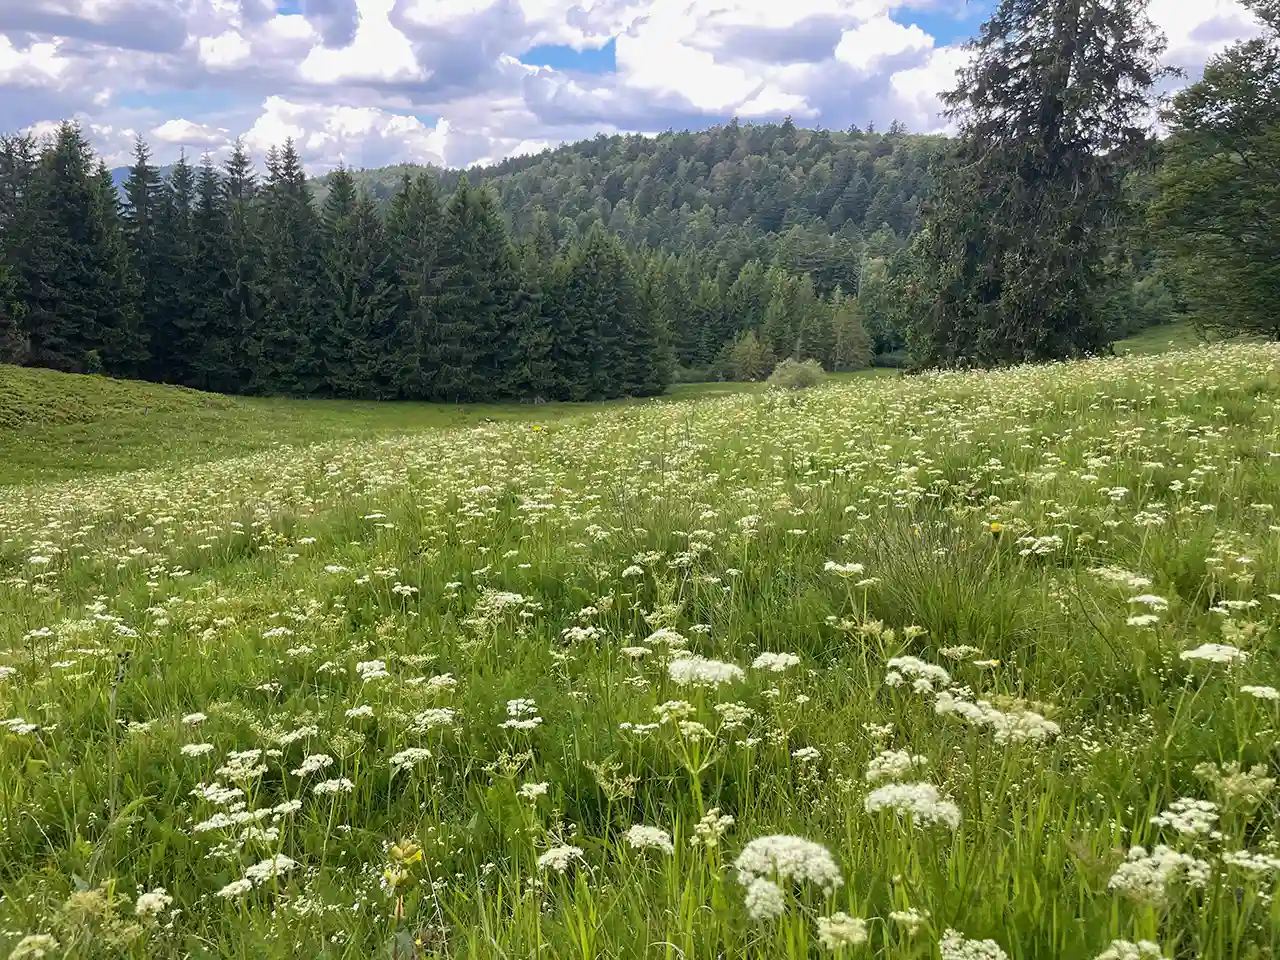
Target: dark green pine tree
[(245, 243), (604, 314), (532, 373), (478, 294), (146, 223), (216, 363), (74, 272), (356, 328), (178, 241), (124, 347), (284, 354), (415, 225), (19, 163), (1051, 109)]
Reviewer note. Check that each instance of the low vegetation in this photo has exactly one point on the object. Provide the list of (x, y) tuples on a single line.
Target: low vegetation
[(969, 665)]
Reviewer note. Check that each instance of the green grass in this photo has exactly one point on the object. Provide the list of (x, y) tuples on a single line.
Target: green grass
[(997, 591), (59, 425)]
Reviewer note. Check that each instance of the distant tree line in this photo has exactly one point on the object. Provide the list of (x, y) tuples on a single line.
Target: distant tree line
[(213, 278)]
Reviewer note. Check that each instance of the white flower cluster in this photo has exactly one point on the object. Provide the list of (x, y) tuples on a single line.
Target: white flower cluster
[(1262, 693), (521, 715), (701, 672), (1014, 726), (313, 764), (841, 930), (893, 765), (151, 904), (1190, 817), (372, 670), (1145, 877), (708, 831), (955, 946), (1125, 950), (409, 757), (764, 899), (1215, 653), (432, 718), (560, 859), (258, 874), (925, 677), (922, 801), (641, 837), (775, 662), (1252, 862), (788, 859)]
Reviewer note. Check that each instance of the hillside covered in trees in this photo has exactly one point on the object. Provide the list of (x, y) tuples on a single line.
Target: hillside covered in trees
[(607, 267)]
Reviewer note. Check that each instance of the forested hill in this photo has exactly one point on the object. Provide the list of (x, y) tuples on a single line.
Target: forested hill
[(811, 201)]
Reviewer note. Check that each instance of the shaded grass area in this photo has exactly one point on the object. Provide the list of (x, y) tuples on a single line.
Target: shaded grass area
[(59, 425)]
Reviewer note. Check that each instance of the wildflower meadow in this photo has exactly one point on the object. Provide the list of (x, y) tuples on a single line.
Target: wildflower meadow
[(960, 665)]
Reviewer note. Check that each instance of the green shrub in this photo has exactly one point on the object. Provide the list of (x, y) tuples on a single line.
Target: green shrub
[(797, 374)]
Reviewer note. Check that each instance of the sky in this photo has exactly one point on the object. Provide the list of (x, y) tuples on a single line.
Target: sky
[(456, 82)]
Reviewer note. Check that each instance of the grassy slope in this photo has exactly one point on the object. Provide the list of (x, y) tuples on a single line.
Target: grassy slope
[(57, 425), (510, 564)]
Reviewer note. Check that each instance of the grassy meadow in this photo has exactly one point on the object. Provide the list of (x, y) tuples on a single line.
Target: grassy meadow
[(960, 666)]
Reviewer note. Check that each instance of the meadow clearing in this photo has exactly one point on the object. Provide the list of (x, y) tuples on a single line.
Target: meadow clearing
[(965, 666)]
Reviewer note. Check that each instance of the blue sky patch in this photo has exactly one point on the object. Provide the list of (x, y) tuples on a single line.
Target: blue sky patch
[(601, 60), (947, 22)]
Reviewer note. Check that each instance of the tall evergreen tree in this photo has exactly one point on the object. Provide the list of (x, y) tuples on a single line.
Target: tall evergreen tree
[(244, 296), (212, 284), (1051, 108), (284, 352), (146, 223), (415, 225), (356, 324), (19, 165)]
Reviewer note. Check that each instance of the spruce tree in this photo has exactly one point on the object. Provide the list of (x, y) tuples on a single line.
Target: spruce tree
[(74, 270), (218, 363), (284, 354), (146, 222), (479, 287), (1051, 108), (245, 250), (415, 224), (532, 372), (357, 321), (19, 160), (178, 241)]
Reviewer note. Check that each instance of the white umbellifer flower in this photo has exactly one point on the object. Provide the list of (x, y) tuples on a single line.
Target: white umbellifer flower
[(806, 754), (921, 800), (521, 715), (1252, 862), (666, 637), (372, 670), (892, 765), (194, 719), (635, 653), (331, 787), (910, 919), (264, 870), (1262, 693), (560, 858), (962, 652), (844, 569), (1125, 950), (841, 930), (432, 718), (708, 831), (701, 672), (236, 888), (441, 683), (1015, 726), (640, 837), (313, 764), (361, 712), (786, 858), (409, 757), (532, 791), (196, 749), (1150, 600), (1215, 653), (632, 571), (1190, 817), (765, 900), (955, 946), (153, 903), (775, 662), (925, 677), (7, 672), (34, 946), (1146, 876)]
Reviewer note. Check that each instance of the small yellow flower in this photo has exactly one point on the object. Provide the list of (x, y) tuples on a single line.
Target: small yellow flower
[(996, 527)]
